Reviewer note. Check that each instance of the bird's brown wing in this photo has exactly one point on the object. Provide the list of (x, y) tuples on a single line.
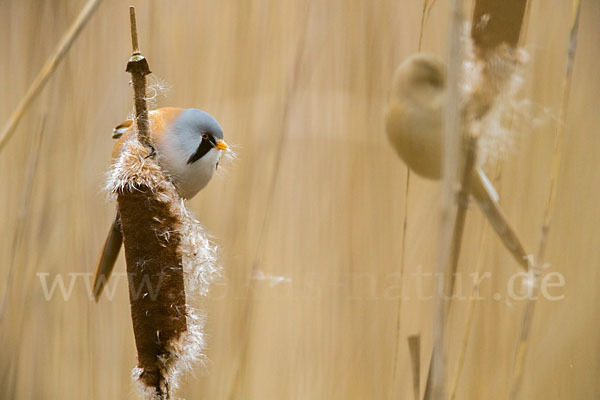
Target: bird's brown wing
[(109, 255), (487, 199), (121, 128)]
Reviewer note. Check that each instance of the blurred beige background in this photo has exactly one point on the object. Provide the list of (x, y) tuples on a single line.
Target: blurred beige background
[(316, 196)]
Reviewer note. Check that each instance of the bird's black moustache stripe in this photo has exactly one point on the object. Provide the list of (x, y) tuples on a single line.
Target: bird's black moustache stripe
[(203, 148)]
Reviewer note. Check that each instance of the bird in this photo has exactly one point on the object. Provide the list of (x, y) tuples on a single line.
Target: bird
[(188, 145), (414, 113), (414, 126)]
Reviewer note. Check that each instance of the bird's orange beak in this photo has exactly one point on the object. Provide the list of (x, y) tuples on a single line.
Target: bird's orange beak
[(221, 145)]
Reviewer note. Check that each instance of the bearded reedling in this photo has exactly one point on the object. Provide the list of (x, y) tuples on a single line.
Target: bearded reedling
[(414, 127), (188, 145)]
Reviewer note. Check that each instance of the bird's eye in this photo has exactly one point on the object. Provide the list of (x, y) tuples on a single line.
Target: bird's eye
[(204, 136)]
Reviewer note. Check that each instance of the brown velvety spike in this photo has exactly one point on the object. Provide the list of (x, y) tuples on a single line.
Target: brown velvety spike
[(169, 260), (156, 282), (496, 22)]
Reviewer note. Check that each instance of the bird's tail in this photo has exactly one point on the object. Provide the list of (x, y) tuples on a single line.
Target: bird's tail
[(109, 255)]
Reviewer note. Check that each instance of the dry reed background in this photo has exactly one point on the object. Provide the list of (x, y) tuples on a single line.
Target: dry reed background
[(316, 196)]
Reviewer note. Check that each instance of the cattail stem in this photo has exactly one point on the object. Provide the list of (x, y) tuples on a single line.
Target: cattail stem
[(138, 67), (134, 36)]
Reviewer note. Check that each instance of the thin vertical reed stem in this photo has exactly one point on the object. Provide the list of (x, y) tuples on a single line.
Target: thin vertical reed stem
[(467, 329), (402, 266), (471, 307), (462, 200), (24, 210), (436, 383), (523, 344), (505, 23), (49, 67), (22, 225), (424, 14)]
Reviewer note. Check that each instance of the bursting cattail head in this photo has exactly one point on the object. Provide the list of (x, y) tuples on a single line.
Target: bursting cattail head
[(414, 117)]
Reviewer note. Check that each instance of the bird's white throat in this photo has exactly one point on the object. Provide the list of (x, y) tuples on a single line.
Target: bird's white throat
[(189, 179)]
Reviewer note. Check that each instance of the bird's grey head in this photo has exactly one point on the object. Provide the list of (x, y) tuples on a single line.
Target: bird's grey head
[(420, 80), (429, 70), (420, 72), (199, 133)]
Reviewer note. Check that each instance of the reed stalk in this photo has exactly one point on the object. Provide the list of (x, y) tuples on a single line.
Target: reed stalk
[(20, 259), (504, 23), (49, 67), (471, 307), (436, 382), (523, 344), (427, 4)]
